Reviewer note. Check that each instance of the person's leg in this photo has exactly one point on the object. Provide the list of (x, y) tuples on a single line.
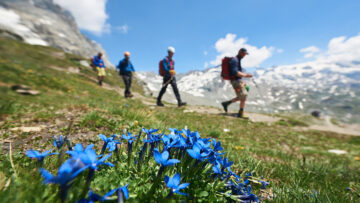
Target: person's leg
[(125, 79), (176, 91), (162, 91), (226, 104), (243, 97), (130, 80)]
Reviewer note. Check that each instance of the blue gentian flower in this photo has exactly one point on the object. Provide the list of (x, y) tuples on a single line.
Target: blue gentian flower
[(163, 158), (66, 173), (88, 156), (37, 155), (170, 141), (198, 153), (226, 164), (108, 143), (93, 197), (217, 146), (122, 192), (58, 143), (129, 138), (149, 132), (264, 184), (174, 184)]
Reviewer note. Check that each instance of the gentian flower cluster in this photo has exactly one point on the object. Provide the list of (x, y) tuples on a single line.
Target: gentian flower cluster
[(179, 164)]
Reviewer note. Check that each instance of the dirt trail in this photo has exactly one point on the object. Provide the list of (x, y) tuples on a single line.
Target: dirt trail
[(326, 125)]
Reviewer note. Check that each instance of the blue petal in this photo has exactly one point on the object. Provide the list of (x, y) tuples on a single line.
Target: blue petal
[(48, 177), (193, 154), (176, 179), (171, 162), (157, 156), (103, 137), (125, 191), (182, 186), (164, 156)]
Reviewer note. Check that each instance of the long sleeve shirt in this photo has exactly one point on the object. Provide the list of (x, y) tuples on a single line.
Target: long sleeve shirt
[(235, 67), (98, 62), (125, 66)]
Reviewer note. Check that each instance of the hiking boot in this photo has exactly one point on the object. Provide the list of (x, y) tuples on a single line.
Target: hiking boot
[(225, 106), (181, 104), (100, 83), (159, 103), (241, 114), (130, 95)]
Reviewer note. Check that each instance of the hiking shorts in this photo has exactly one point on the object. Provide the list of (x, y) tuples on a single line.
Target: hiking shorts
[(240, 90), (101, 71)]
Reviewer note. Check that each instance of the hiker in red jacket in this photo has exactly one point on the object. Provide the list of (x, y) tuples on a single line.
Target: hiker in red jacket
[(167, 71), (236, 74)]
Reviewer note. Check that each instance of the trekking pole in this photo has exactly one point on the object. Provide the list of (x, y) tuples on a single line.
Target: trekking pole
[(262, 96), (167, 82)]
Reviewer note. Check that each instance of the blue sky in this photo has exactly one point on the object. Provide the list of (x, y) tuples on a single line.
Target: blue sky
[(275, 30)]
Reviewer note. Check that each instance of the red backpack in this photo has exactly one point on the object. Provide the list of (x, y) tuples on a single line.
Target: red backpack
[(225, 72), (161, 66)]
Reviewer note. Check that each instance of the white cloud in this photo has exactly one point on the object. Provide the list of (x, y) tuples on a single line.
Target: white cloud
[(123, 29), (342, 50), (309, 51), (229, 46), (90, 15)]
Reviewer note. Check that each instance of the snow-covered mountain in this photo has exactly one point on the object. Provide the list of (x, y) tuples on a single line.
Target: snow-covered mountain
[(332, 88), (42, 22)]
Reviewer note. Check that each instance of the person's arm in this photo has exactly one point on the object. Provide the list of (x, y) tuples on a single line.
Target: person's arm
[(166, 66), (244, 75), (132, 67), (103, 64)]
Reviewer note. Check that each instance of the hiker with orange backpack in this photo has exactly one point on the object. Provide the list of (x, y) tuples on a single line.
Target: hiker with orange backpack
[(98, 62), (167, 71), (125, 70), (232, 70)]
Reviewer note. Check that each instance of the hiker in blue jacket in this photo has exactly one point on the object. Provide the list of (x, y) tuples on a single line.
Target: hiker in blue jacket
[(125, 70), (98, 62), (169, 78), (236, 73)]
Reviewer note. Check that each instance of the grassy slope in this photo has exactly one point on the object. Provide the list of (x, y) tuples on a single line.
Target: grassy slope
[(296, 163)]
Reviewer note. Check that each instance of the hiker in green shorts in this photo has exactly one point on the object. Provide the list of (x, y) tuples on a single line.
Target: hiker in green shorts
[(236, 74)]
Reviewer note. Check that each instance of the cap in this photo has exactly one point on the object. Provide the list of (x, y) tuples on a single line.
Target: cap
[(244, 51), (171, 49)]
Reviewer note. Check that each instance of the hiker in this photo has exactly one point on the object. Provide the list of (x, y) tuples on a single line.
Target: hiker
[(100, 67), (125, 70), (167, 71), (235, 75)]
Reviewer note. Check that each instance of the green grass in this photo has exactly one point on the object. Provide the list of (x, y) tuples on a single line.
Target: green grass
[(297, 163)]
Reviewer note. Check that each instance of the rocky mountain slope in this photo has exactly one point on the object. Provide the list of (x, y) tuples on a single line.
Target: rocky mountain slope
[(41, 22)]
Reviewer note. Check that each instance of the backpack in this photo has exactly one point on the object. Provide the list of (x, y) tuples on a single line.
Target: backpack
[(161, 67), (225, 72)]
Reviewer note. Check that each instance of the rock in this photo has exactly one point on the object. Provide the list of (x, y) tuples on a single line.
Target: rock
[(316, 114), (337, 151), (28, 92), (27, 129), (85, 63), (22, 87)]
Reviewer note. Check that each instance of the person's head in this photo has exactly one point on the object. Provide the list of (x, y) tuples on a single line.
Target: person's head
[(243, 52), (171, 51), (100, 54), (127, 55)]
